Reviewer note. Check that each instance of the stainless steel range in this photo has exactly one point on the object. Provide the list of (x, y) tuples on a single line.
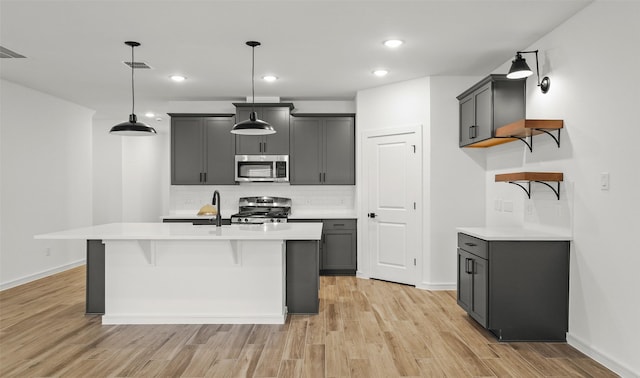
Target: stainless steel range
[(262, 210)]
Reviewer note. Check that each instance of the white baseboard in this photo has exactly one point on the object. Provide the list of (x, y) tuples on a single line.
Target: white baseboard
[(194, 319), (437, 286), (42, 274), (610, 363)]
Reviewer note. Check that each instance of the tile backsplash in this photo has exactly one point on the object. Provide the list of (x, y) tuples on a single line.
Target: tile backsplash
[(187, 199)]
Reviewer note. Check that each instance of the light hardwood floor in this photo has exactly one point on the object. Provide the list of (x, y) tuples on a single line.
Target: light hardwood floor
[(366, 328)]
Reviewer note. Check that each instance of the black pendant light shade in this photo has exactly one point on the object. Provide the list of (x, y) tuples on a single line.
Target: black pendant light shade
[(519, 68), (253, 126), (132, 127)]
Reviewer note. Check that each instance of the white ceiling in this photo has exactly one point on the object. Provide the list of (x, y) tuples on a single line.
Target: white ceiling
[(319, 49)]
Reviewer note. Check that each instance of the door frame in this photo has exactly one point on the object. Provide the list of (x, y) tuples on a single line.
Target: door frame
[(365, 258)]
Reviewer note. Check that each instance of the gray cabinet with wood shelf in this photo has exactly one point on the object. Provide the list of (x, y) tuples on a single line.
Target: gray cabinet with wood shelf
[(275, 114), (517, 289), (202, 149), (322, 150), (492, 102)]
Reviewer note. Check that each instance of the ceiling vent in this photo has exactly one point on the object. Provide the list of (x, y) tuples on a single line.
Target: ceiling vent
[(137, 65), (6, 53)]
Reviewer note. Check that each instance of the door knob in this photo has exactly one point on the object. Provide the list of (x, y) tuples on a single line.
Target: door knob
[(371, 215)]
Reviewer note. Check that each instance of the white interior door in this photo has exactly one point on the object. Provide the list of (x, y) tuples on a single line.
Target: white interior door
[(394, 187)]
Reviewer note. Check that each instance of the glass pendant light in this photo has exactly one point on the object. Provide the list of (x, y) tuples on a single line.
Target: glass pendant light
[(132, 127), (253, 126)]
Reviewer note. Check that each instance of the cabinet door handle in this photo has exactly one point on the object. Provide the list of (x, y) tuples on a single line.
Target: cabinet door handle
[(200, 178), (264, 146), (324, 177), (468, 268), (338, 224), (205, 177), (319, 177), (472, 132), (471, 244)]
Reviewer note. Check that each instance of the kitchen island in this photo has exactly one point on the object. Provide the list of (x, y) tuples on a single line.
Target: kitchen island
[(179, 273)]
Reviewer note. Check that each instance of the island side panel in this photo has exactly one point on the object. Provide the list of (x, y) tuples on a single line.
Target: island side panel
[(95, 278), (303, 276), (195, 282)]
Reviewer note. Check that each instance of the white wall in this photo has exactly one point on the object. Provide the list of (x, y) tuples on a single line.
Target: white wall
[(455, 181), (448, 172), (45, 157), (594, 80)]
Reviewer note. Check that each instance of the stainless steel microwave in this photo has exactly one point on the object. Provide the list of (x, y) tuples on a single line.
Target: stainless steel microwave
[(262, 168)]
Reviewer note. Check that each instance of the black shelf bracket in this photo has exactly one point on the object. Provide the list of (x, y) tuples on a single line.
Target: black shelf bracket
[(530, 137), (528, 188)]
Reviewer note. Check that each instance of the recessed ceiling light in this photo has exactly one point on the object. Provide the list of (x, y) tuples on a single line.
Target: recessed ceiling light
[(269, 78), (380, 72), (149, 115), (178, 78), (393, 43)]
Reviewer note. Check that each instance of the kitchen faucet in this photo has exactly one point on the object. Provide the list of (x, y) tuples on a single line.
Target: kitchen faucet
[(217, 204)]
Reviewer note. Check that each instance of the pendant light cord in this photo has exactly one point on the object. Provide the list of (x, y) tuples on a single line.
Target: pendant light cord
[(133, 93), (253, 91)]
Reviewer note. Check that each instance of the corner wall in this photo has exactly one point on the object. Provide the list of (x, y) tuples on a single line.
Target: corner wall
[(448, 171), (594, 80), (45, 159)]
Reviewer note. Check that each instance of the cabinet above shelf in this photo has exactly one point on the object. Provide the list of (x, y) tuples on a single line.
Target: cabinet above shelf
[(527, 128), (528, 177)]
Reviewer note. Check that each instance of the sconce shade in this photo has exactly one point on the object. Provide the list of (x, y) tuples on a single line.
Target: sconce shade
[(519, 68), (253, 126)]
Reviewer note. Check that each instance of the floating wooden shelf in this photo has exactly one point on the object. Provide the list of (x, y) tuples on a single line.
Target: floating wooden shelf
[(527, 128), (529, 177)]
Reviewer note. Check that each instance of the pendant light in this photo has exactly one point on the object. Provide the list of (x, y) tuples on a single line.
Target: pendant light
[(253, 126), (132, 127)]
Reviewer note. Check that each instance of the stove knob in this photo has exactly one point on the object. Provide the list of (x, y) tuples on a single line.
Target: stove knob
[(278, 220), (246, 220)]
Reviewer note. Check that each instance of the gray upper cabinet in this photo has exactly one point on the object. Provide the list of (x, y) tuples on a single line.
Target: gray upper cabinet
[(202, 149), (322, 150), (275, 114), (492, 102)]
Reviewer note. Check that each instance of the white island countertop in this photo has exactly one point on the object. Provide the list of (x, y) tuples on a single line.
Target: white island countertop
[(513, 233), (187, 231)]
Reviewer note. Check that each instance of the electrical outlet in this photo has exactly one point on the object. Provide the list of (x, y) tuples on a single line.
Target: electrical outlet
[(47, 251), (507, 206), (497, 205)]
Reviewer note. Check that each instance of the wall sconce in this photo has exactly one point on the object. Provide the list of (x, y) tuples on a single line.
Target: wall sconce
[(520, 69)]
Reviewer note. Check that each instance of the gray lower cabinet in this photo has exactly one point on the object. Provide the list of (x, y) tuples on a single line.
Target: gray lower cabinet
[(303, 279), (492, 102), (338, 247), (277, 115), (202, 149), (518, 290), (322, 150)]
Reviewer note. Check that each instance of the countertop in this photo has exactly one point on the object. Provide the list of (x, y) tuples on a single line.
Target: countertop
[(513, 233), (323, 214), (187, 231)]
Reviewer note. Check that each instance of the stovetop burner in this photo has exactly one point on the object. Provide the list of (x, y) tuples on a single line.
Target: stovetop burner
[(262, 210)]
